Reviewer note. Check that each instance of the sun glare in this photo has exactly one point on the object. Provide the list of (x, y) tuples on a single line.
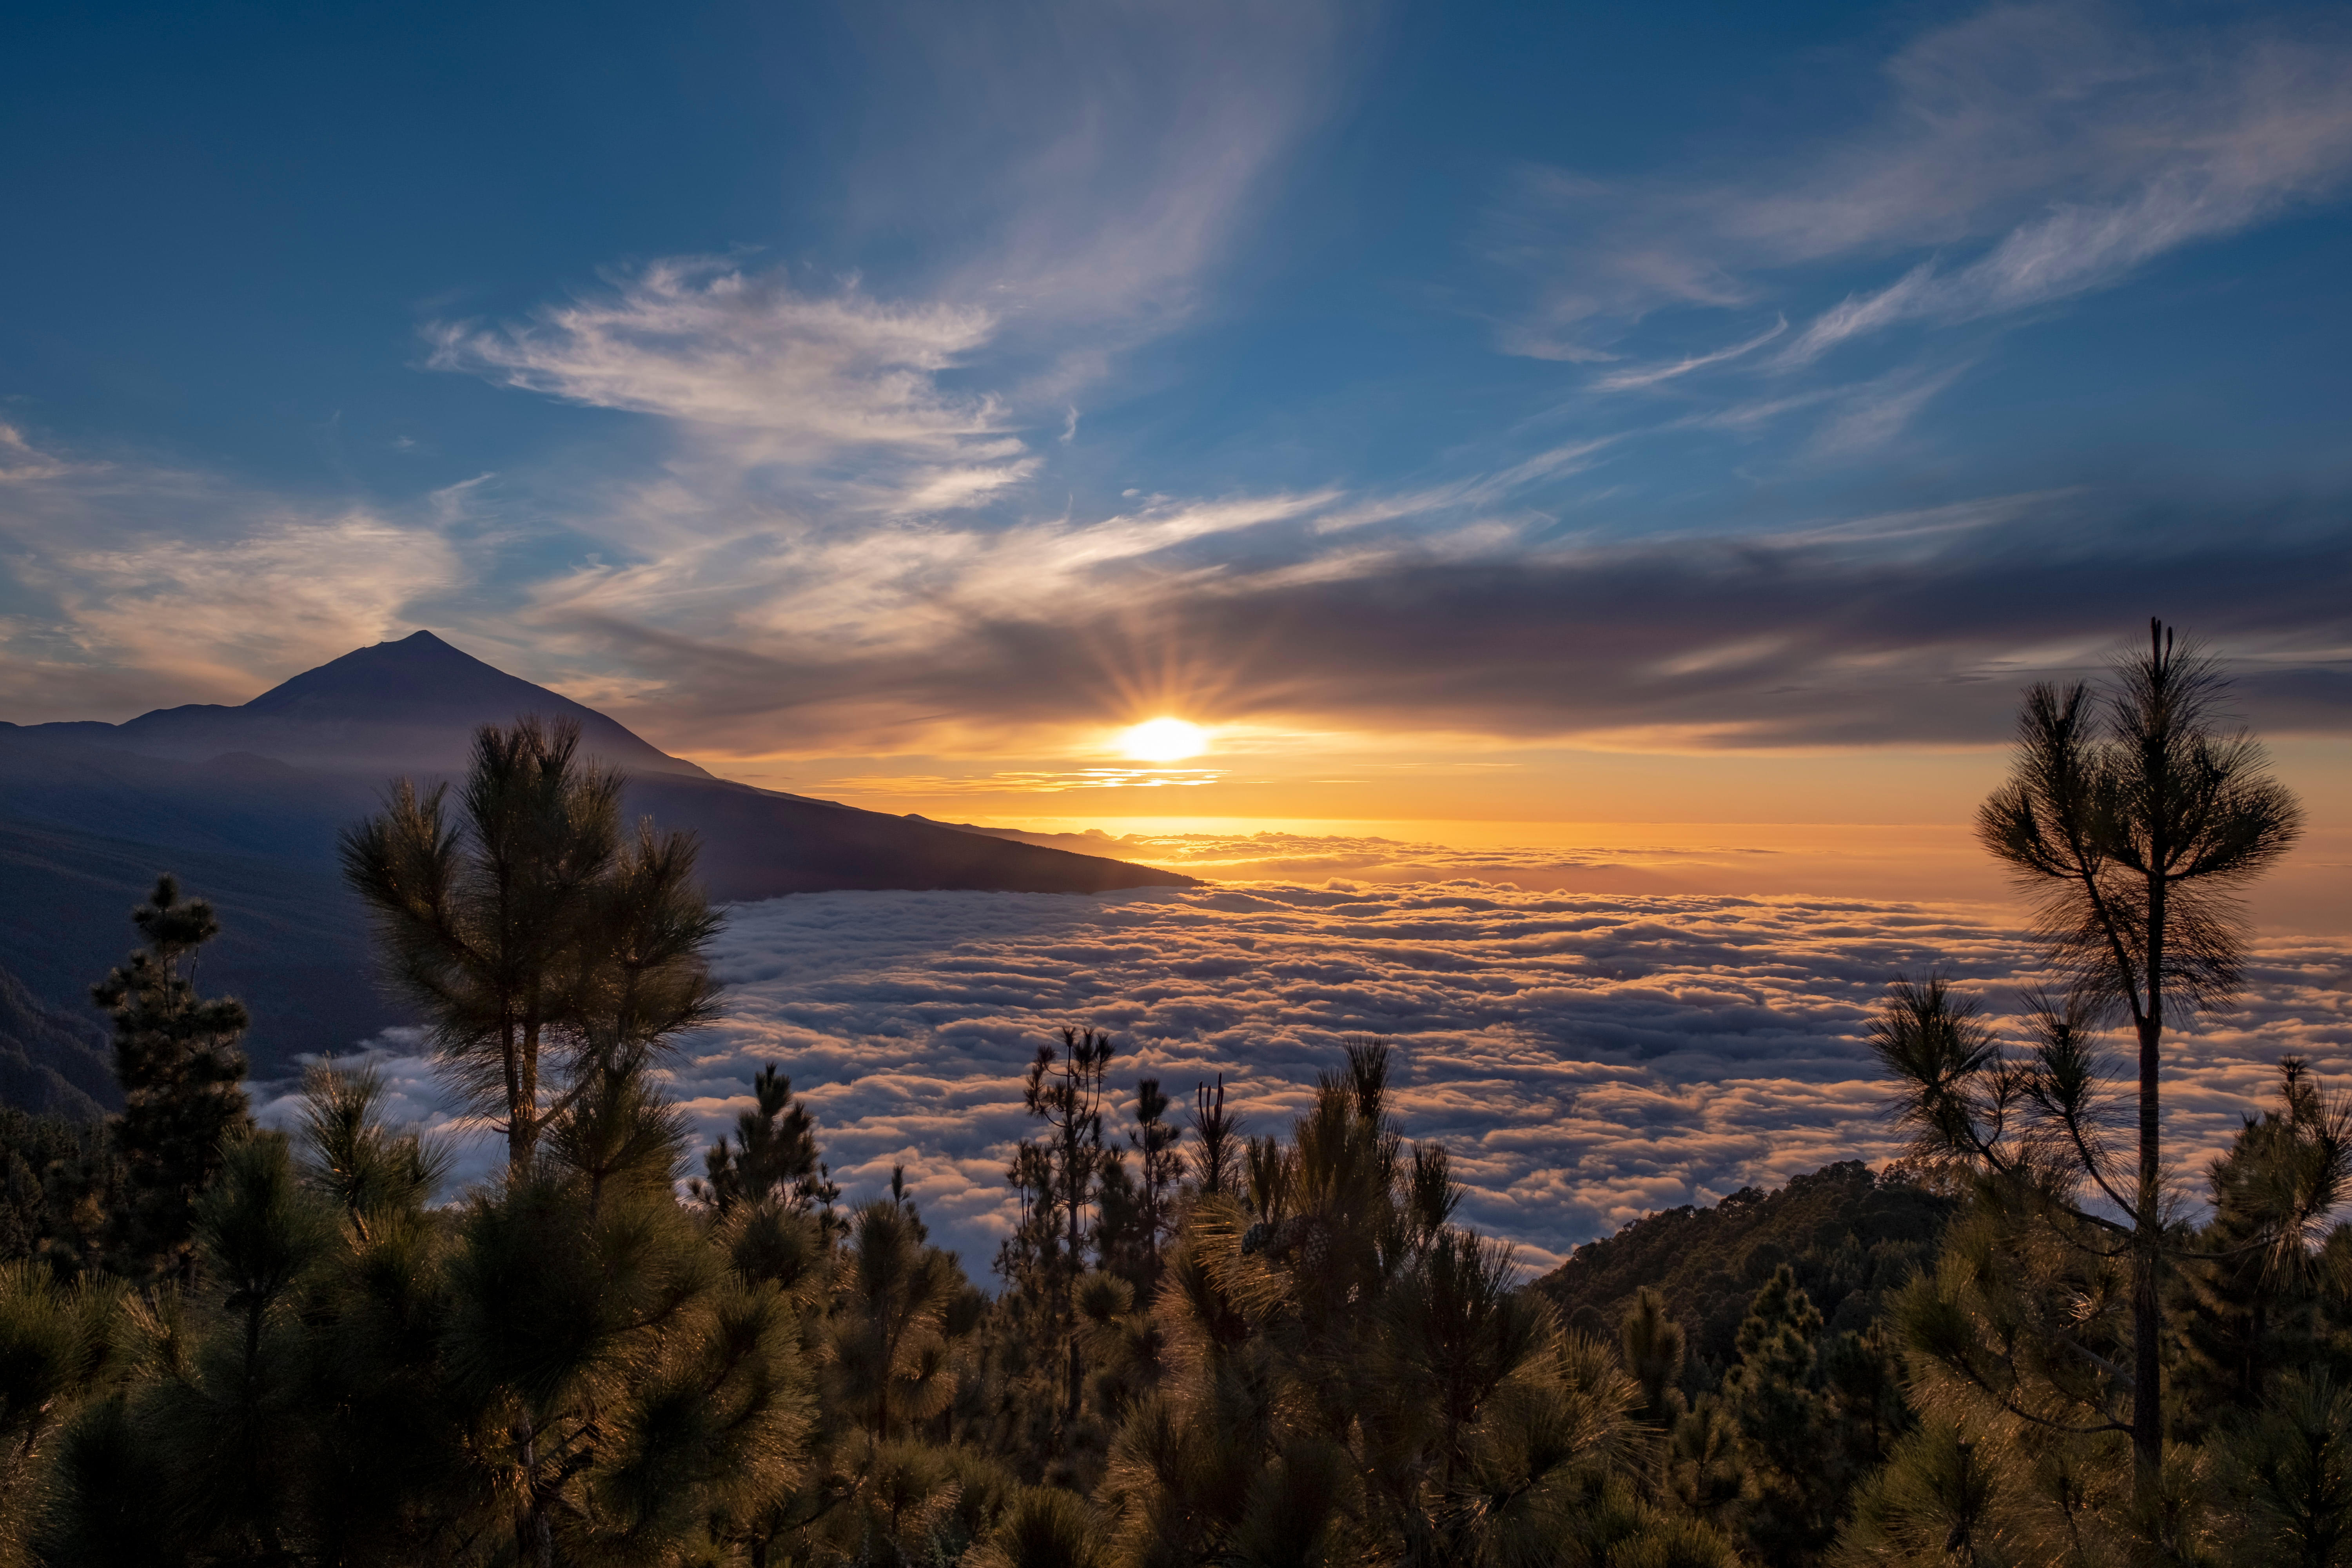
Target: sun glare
[(1164, 741)]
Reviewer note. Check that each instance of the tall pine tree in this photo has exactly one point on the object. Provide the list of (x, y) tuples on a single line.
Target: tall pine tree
[(549, 949), (177, 1056)]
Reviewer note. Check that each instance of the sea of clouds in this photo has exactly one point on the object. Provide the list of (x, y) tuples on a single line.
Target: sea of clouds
[(1586, 1058)]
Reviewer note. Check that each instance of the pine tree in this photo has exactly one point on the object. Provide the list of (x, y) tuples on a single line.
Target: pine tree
[(177, 1056), (2134, 823), (1216, 1152), (1773, 1398), (2287, 1473), (1159, 1168), (481, 925), (236, 1418), (547, 1374), (621, 1379), (1059, 1176), (903, 1305), (56, 1342), (772, 1156), (536, 939), (2249, 1309), (62, 1182), (2019, 1348), (1352, 1377), (1654, 1348)]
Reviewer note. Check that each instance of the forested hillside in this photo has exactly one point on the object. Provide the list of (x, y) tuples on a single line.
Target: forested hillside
[(51, 1062), (1852, 1236)]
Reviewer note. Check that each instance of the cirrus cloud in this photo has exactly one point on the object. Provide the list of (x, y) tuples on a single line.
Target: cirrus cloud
[(2063, 145), (140, 585), (698, 340)]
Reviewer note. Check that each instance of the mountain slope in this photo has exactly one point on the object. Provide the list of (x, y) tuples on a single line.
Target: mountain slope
[(293, 944), (51, 1062), (1850, 1236), (410, 705), (244, 804)]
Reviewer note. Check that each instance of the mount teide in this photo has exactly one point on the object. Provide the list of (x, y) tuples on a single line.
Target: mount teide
[(410, 706), (244, 804)]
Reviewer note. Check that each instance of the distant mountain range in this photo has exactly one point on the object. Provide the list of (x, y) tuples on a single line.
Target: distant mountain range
[(244, 803)]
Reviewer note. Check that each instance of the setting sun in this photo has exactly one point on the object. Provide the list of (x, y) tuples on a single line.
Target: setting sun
[(1163, 741)]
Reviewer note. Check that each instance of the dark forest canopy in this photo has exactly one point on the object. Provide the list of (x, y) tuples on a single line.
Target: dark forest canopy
[(1850, 1236)]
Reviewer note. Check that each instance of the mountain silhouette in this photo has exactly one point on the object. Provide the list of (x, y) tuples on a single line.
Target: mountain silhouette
[(244, 801), (411, 705)]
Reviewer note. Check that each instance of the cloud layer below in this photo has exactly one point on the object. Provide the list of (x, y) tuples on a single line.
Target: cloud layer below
[(1586, 1058)]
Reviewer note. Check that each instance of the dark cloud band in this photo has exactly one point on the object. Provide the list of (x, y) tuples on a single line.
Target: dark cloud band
[(1876, 635)]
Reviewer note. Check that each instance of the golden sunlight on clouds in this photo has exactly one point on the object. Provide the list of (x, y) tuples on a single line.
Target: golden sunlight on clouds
[(1163, 741)]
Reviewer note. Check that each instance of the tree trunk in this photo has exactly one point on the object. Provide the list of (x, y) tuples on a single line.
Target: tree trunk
[(518, 1128), (2147, 1312), (527, 1115), (2147, 1227), (1077, 1174), (534, 1532)]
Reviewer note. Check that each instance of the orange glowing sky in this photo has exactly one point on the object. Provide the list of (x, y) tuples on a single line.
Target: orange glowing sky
[(1875, 823)]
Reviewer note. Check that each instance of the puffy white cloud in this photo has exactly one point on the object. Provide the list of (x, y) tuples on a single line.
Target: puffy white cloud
[(1586, 1058)]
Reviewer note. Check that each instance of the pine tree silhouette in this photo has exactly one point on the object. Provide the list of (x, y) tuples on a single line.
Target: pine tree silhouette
[(771, 1156), (176, 1057), (538, 939), (2134, 818), (1059, 1176)]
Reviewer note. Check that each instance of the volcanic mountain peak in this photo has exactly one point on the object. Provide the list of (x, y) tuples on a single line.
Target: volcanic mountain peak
[(418, 669), (411, 704)]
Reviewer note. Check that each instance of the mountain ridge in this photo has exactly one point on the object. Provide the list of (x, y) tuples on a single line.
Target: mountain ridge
[(244, 803), (422, 700)]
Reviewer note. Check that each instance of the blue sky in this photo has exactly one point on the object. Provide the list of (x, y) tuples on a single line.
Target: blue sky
[(949, 383)]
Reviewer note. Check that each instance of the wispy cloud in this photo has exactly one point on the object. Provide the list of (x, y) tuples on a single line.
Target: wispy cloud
[(1079, 173), (142, 586), (1433, 612), (291, 594), (1875, 412), (22, 463), (1650, 375), (858, 463), (854, 529), (765, 373), (2035, 152), (796, 592), (697, 339), (1093, 162)]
